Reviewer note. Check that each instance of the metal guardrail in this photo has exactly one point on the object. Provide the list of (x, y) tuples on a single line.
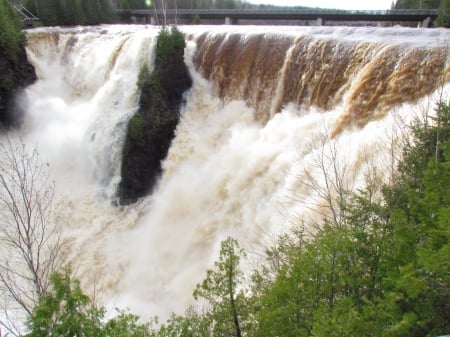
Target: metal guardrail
[(288, 14), (275, 11), (25, 15)]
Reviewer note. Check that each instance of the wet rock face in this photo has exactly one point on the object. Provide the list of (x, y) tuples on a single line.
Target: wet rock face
[(15, 74), (152, 128)]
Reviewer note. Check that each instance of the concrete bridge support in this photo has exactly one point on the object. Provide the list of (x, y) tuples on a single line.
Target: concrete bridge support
[(320, 22), (425, 23), (228, 20)]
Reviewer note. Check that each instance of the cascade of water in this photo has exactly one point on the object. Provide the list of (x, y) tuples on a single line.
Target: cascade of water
[(267, 140)]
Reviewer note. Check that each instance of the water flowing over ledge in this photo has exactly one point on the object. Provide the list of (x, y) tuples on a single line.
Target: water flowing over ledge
[(275, 115)]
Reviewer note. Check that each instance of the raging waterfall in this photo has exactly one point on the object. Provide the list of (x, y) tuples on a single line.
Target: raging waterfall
[(278, 121)]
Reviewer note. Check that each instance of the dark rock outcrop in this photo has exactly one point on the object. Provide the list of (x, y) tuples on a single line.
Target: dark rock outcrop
[(15, 74), (152, 128)]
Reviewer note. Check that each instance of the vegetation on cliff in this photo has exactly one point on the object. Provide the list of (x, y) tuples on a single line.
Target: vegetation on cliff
[(152, 128), (15, 71), (11, 36)]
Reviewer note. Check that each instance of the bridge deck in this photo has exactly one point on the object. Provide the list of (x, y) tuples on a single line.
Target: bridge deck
[(290, 14)]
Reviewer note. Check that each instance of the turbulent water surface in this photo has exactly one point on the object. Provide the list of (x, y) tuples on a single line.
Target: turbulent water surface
[(279, 119)]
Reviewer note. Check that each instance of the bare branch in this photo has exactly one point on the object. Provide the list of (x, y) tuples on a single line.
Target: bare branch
[(30, 243)]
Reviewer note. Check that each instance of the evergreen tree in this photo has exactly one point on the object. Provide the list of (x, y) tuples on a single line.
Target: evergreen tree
[(137, 4), (444, 14), (221, 289), (383, 270), (11, 37)]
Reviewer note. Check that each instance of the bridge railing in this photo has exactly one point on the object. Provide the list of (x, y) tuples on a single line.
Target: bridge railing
[(25, 15), (284, 10)]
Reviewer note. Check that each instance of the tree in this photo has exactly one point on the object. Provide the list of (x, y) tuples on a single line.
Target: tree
[(11, 37), (221, 289), (65, 311), (420, 201), (71, 12), (443, 18), (382, 267), (31, 246)]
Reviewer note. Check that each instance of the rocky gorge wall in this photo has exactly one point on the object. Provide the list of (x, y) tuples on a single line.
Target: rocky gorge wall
[(16, 73)]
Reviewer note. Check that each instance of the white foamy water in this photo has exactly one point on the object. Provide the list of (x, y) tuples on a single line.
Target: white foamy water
[(227, 173)]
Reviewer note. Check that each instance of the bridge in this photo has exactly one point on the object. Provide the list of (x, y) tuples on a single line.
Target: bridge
[(25, 15), (320, 16)]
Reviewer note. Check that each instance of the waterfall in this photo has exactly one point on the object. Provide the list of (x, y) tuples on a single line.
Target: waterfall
[(278, 122)]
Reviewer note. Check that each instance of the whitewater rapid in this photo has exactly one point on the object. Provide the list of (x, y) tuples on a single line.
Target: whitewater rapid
[(231, 170)]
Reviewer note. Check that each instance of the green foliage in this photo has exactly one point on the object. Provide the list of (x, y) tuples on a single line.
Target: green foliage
[(384, 270), (417, 4), (6, 84), (443, 18), (170, 44), (149, 82), (11, 37), (196, 19), (221, 289), (137, 4), (443, 6), (152, 97), (66, 311), (193, 4), (137, 128), (124, 4), (143, 77), (126, 325), (192, 324), (71, 12), (157, 87)]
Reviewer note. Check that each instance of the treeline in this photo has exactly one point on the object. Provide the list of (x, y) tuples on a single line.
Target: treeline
[(92, 12), (11, 41), (417, 4), (379, 266), (71, 12), (219, 4), (11, 36), (442, 5), (15, 70), (184, 4)]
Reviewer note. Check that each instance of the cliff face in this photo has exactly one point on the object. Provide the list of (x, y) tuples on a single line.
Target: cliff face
[(151, 130), (15, 74)]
